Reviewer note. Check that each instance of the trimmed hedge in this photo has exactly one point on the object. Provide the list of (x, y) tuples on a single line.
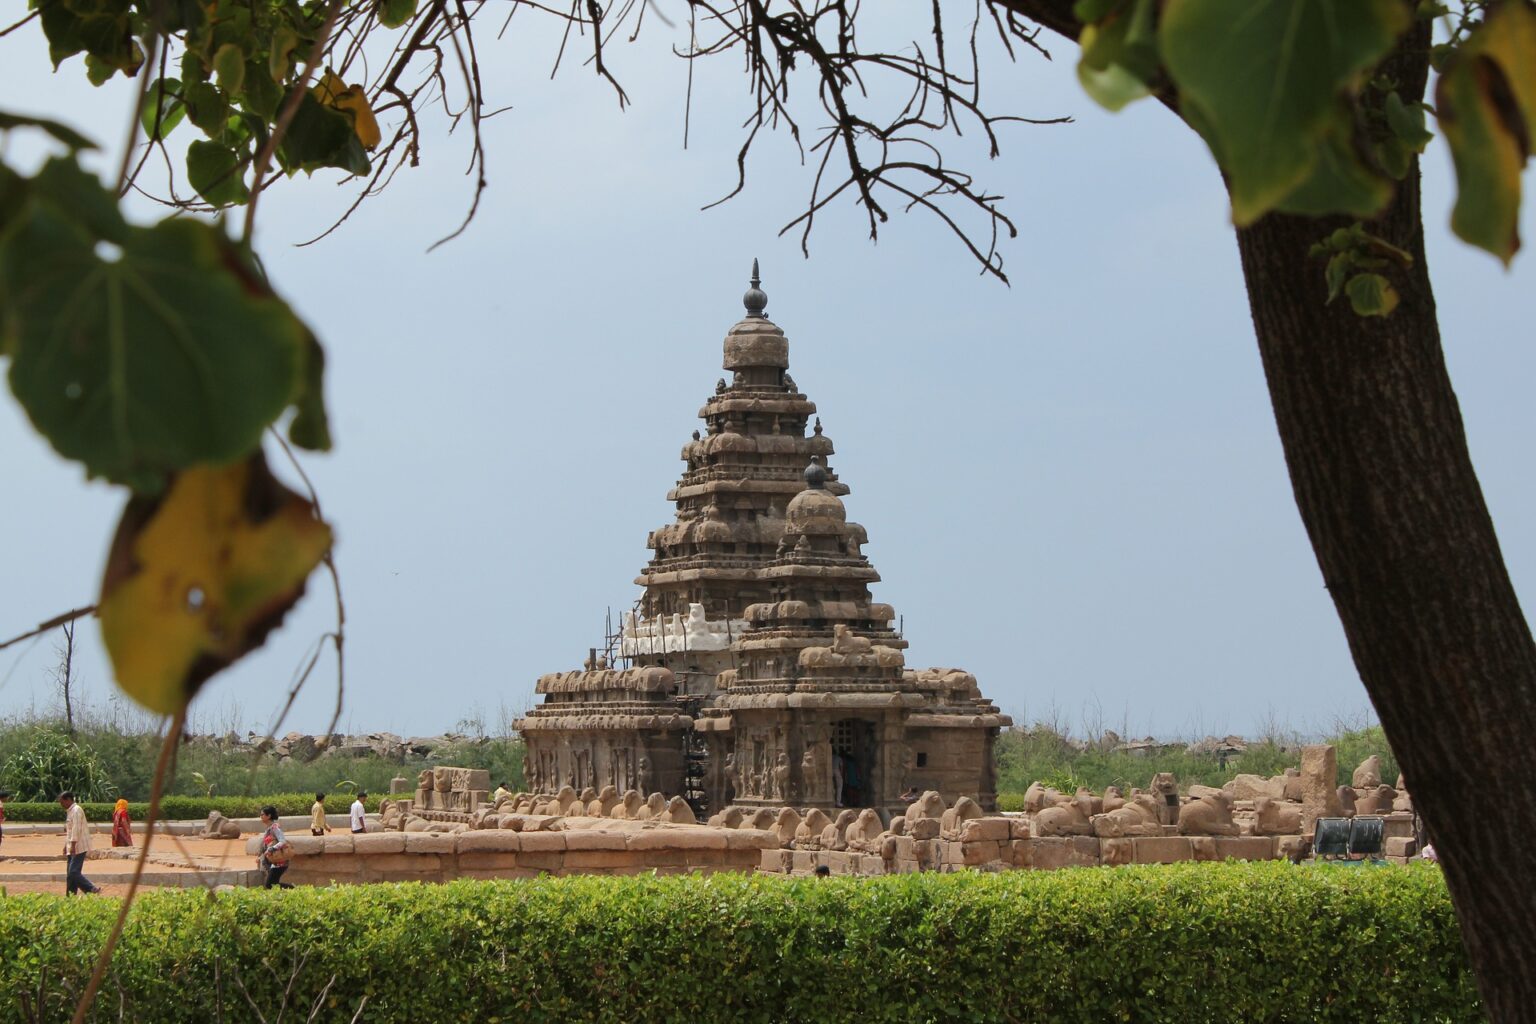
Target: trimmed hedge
[(190, 808), (1181, 944)]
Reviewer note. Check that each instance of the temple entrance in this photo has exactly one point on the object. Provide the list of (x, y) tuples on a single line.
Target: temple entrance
[(853, 762)]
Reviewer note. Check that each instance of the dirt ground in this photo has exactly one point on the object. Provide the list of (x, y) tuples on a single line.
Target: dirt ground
[(24, 858)]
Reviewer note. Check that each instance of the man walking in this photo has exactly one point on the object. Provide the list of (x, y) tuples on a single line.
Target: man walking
[(359, 826), (77, 843)]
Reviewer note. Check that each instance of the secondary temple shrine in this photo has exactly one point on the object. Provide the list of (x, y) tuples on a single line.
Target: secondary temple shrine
[(756, 670)]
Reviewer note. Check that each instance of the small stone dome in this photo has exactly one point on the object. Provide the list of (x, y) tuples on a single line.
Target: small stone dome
[(815, 510), (756, 342)]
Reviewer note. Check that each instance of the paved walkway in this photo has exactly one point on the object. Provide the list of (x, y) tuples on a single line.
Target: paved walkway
[(35, 863)]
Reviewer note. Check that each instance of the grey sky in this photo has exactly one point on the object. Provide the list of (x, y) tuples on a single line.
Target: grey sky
[(1073, 487)]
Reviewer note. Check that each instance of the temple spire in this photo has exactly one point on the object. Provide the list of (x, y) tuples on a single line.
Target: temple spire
[(756, 300)]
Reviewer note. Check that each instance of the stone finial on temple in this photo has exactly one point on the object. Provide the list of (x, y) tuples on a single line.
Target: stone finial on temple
[(756, 300)]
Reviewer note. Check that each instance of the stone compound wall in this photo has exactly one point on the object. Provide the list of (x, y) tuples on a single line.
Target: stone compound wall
[(502, 853)]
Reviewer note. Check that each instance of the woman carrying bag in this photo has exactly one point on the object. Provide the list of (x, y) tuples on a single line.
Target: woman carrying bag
[(275, 850)]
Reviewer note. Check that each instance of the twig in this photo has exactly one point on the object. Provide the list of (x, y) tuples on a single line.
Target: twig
[(151, 46), (167, 754), (57, 620), (286, 115)]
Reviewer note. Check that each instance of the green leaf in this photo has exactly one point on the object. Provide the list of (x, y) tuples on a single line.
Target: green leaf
[(1338, 271), (1407, 122), (320, 136), (163, 102), (280, 58), (207, 107), (311, 426), (1486, 101), (1266, 84), (217, 172), (1371, 295), (170, 354), (1119, 55), (229, 67), (262, 95), (1339, 182), (394, 13), (65, 134), (65, 185)]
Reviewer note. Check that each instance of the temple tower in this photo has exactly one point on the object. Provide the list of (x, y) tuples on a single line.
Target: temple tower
[(756, 667)]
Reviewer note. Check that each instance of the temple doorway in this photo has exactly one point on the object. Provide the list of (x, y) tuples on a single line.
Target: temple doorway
[(853, 762)]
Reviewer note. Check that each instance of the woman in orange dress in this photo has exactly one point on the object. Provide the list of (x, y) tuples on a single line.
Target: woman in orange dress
[(121, 835)]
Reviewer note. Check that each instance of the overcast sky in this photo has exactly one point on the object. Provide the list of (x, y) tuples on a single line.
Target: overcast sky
[(1073, 487)]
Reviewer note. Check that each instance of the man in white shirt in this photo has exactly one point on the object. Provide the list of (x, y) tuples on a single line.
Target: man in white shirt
[(359, 826), (77, 843)]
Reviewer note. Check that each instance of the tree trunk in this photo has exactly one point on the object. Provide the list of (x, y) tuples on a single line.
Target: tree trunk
[(1379, 464)]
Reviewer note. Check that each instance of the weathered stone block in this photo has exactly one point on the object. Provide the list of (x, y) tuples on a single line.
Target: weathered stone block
[(336, 844), (1161, 849), (418, 863), (489, 840), (1400, 846), (871, 864), (751, 839), (1018, 828), (585, 860), (984, 852), (304, 846), (1398, 823), (1203, 848), (428, 842), (540, 842), (802, 862), (775, 862), (1116, 852), (378, 843), (1245, 848), (678, 839), (594, 839), (544, 860), (488, 860), (1021, 852), (978, 830)]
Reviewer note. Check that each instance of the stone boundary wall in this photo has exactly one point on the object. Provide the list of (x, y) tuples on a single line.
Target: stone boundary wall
[(502, 853), (1005, 844)]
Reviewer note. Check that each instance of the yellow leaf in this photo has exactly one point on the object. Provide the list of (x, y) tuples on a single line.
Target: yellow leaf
[(1486, 101), (200, 575), (333, 92), (354, 99)]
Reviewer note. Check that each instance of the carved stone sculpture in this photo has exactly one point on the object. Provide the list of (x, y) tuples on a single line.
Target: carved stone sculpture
[(1368, 775), (863, 833), (1209, 815)]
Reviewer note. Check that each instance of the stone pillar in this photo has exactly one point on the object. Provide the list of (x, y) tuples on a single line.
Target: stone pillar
[(1319, 786)]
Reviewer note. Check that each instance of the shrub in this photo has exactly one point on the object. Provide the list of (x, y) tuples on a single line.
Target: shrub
[(1191, 944), (49, 763)]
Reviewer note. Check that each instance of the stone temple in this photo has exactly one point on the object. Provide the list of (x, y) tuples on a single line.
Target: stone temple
[(756, 670)]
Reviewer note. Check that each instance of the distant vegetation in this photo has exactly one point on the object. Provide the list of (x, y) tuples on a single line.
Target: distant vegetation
[(110, 756), (1049, 754)]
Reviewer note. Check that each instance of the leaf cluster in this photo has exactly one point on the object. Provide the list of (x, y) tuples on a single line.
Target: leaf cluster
[(1296, 106), (1158, 944)]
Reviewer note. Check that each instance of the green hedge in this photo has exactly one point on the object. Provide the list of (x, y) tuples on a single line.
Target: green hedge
[(1182, 944), (191, 808)]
